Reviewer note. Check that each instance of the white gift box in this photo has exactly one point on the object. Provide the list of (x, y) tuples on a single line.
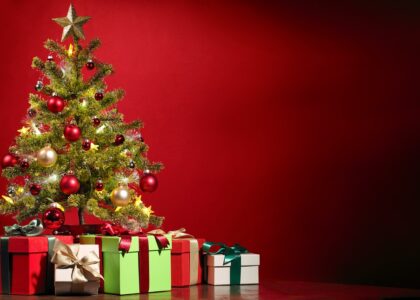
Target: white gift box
[(63, 277), (219, 274)]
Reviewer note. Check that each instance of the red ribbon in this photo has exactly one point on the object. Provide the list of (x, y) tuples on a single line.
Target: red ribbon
[(144, 264), (126, 235), (117, 230), (98, 241)]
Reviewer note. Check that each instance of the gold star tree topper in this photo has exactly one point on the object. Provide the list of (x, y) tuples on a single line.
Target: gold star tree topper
[(72, 24)]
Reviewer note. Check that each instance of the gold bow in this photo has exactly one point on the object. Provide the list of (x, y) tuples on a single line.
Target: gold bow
[(65, 256), (176, 234)]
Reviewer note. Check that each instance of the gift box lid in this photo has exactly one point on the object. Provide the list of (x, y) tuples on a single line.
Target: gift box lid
[(183, 245), (247, 259), (33, 244), (111, 243)]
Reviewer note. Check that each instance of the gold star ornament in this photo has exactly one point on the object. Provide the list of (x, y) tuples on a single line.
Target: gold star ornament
[(72, 24), (147, 211), (94, 147), (24, 130), (138, 201)]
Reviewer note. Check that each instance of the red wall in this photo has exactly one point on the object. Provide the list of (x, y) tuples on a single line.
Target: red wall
[(292, 129)]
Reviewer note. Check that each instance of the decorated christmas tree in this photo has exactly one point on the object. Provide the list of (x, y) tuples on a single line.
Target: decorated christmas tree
[(75, 150)]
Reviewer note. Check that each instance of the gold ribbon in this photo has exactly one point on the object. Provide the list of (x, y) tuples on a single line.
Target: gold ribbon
[(194, 250), (65, 256), (176, 234)]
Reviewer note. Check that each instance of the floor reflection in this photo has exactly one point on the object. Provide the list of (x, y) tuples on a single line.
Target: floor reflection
[(194, 292)]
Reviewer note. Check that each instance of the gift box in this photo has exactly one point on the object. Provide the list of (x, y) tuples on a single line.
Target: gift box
[(76, 269), (243, 269), (25, 264), (186, 262), (144, 268)]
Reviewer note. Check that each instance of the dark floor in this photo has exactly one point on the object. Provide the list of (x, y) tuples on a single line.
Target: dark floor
[(267, 290)]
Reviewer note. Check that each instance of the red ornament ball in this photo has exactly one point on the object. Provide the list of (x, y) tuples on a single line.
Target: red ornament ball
[(35, 189), (99, 96), (90, 65), (119, 140), (53, 218), (72, 133), (69, 184), (24, 164), (148, 183), (9, 160), (99, 186), (96, 121), (86, 144), (55, 104)]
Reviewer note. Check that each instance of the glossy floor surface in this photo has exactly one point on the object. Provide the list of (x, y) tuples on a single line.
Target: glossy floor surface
[(267, 290)]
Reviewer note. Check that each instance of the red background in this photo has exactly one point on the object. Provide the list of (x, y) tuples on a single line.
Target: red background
[(290, 128)]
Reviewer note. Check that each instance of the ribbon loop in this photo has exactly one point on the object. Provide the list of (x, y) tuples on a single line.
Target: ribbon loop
[(126, 236), (65, 256), (34, 228), (230, 253)]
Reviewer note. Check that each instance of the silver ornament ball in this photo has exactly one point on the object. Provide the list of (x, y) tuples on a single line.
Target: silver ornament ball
[(39, 85), (11, 191)]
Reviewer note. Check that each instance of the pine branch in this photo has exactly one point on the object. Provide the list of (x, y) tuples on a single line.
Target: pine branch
[(55, 47), (94, 44), (137, 124), (111, 98), (48, 68), (156, 221), (103, 70)]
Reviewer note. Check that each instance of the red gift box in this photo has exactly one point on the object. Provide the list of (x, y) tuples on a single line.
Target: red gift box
[(186, 262), (25, 267)]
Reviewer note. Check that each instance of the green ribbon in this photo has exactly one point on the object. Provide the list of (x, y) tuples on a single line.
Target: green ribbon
[(232, 256), (34, 228)]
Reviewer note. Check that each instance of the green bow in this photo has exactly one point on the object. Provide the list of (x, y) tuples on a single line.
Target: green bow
[(230, 253), (34, 228)]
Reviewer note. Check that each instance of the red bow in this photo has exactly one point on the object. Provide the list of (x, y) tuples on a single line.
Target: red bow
[(126, 235)]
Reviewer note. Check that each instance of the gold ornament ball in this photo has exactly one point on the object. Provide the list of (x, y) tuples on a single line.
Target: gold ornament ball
[(47, 157), (120, 196)]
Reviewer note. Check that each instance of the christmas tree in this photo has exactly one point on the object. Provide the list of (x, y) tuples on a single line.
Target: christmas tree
[(74, 149)]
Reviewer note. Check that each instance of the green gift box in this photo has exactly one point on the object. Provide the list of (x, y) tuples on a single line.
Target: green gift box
[(144, 268)]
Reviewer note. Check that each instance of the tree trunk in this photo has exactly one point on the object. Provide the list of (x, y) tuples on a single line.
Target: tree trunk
[(81, 216)]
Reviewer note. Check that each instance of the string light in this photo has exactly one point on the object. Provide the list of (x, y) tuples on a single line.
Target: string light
[(70, 51), (100, 129), (52, 178)]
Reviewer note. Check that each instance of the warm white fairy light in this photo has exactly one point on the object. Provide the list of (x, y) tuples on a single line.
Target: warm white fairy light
[(35, 129), (52, 178), (133, 177), (100, 129), (84, 103)]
